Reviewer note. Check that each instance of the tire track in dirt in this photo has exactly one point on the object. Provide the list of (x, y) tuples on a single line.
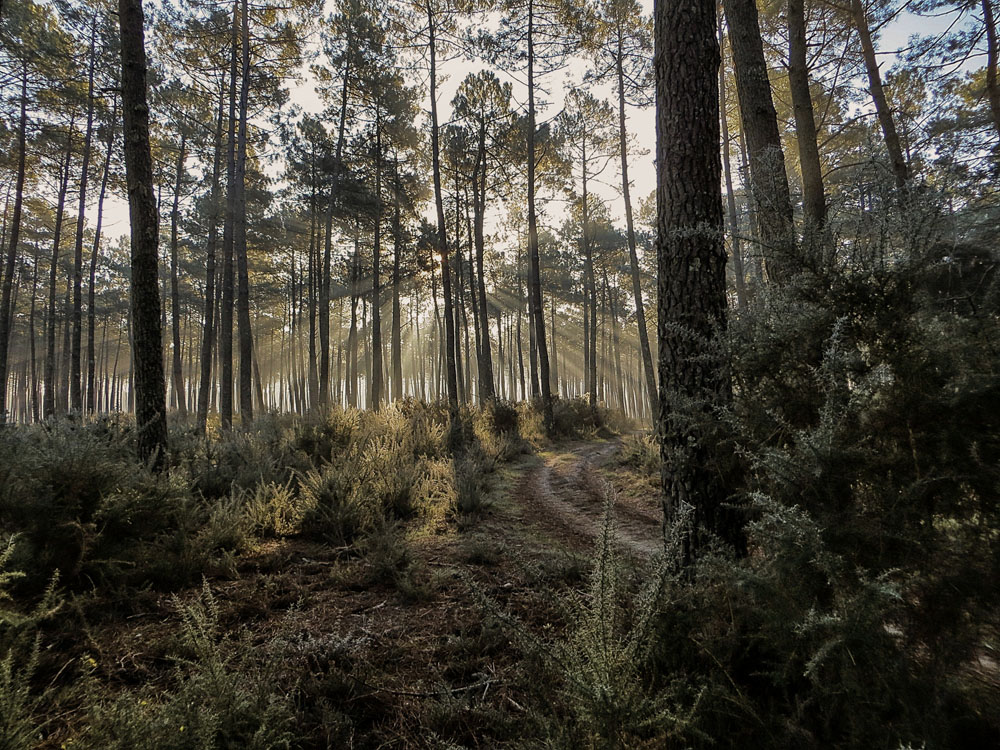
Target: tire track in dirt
[(566, 495)]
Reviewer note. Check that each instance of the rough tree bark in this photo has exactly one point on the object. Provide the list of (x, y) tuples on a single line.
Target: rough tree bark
[(633, 256), (900, 169), (208, 335), (150, 386), (768, 178), (8, 276), (813, 196), (91, 290), (691, 264)]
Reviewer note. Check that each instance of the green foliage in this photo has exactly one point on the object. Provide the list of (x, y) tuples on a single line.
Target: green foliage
[(224, 699), (604, 659), (641, 452), (23, 706)]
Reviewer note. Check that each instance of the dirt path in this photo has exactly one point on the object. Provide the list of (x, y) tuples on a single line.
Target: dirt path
[(566, 495)]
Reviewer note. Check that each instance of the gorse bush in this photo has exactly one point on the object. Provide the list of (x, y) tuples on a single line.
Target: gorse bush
[(224, 699), (23, 704), (85, 508), (865, 425)]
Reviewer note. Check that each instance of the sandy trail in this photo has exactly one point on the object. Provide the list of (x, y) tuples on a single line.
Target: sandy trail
[(566, 494)]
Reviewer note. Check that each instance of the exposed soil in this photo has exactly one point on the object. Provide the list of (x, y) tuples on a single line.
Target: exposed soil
[(568, 493), (407, 647)]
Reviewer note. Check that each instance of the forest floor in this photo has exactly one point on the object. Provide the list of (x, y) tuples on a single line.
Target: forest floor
[(405, 640)]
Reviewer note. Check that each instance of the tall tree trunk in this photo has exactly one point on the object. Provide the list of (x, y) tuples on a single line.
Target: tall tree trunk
[(396, 347), (900, 169), (691, 260), (451, 374), (487, 388), (813, 196), (31, 340), (734, 228), (352, 334), (15, 230), (376, 372), (590, 290), (49, 401), (240, 233), (150, 386), (768, 179), (534, 281), (175, 295), (323, 395), (208, 334), (992, 87), (633, 256), (76, 379), (312, 293), (92, 279), (226, 313)]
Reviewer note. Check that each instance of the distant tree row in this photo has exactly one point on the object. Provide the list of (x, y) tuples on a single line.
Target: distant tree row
[(390, 246)]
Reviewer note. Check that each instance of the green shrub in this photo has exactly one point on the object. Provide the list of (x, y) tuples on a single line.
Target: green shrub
[(274, 510), (333, 509), (641, 452), (469, 496), (223, 699)]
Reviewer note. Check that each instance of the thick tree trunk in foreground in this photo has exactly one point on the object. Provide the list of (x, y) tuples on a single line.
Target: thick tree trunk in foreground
[(691, 262), (150, 387), (768, 178)]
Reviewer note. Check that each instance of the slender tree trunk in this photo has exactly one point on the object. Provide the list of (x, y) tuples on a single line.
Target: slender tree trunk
[(313, 289), (323, 395), (175, 295), (240, 233), (31, 341), (590, 290), (396, 348), (451, 373), (900, 169), (813, 195), (208, 335), (92, 280), (226, 314), (535, 283), (150, 386), (49, 402), (487, 388), (768, 179), (376, 372), (76, 384), (992, 87), (734, 230), (633, 256), (691, 261), (15, 230), (352, 334)]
